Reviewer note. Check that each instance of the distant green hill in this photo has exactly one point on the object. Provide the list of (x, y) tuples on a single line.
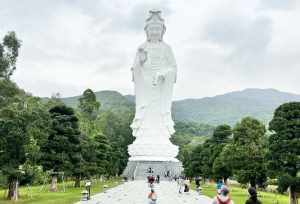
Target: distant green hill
[(110, 100), (228, 108), (231, 107)]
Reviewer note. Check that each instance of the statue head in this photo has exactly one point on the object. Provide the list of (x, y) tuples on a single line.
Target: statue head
[(155, 27)]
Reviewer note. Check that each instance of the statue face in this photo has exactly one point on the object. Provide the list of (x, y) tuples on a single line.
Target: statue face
[(154, 32)]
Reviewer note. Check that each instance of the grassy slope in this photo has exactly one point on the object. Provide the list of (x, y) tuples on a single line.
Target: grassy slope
[(45, 197), (240, 195)]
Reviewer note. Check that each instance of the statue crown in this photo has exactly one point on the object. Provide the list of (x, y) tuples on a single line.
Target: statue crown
[(154, 18)]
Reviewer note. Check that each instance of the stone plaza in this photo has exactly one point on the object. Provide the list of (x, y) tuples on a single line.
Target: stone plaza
[(135, 192)]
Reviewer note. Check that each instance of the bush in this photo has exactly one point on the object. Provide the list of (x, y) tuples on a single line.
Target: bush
[(33, 175), (273, 182)]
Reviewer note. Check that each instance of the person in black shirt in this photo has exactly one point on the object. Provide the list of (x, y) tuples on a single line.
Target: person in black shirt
[(253, 197)]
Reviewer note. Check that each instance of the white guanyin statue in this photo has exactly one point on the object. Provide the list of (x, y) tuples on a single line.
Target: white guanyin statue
[(154, 74)]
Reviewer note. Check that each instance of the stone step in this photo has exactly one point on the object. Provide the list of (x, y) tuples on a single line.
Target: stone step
[(140, 169)]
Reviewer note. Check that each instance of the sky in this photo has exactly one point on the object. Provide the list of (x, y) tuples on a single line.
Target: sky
[(219, 45)]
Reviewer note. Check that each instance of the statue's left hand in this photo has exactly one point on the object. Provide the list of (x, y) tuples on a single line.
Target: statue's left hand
[(142, 56)]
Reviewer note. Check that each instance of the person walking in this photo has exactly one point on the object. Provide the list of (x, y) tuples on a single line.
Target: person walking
[(197, 182), (157, 179), (152, 197), (219, 186), (187, 185), (223, 197), (252, 197), (181, 184)]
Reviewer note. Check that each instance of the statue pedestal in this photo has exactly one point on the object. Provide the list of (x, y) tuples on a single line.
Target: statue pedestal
[(158, 154), (152, 149), (138, 169)]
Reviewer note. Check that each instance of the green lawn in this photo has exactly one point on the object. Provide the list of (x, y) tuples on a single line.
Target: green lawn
[(240, 195), (45, 197)]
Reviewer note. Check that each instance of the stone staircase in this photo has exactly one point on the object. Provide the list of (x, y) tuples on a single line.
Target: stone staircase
[(139, 169)]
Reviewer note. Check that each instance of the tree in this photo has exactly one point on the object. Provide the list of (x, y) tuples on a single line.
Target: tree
[(103, 152), (89, 166), (219, 140), (9, 51), (284, 148), (221, 134), (221, 169), (194, 167), (88, 112), (22, 123), (12, 146), (88, 104), (117, 130), (184, 155), (246, 154), (203, 157), (62, 151), (9, 92)]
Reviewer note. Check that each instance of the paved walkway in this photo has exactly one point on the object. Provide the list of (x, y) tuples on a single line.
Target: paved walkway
[(135, 192)]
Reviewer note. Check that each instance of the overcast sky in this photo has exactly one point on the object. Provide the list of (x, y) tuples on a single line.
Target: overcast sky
[(219, 45)]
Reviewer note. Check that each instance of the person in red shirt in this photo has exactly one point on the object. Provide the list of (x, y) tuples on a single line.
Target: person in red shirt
[(223, 197), (152, 197)]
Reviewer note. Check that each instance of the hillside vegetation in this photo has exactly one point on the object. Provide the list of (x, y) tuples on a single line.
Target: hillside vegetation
[(228, 108)]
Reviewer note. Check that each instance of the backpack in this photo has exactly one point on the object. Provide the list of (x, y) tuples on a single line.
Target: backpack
[(223, 202), (153, 197)]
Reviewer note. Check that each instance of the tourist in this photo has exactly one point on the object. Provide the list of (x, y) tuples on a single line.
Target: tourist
[(253, 197), (152, 197), (187, 185), (152, 179), (223, 197), (181, 184), (197, 182), (88, 184), (220, 185), (157, 179)]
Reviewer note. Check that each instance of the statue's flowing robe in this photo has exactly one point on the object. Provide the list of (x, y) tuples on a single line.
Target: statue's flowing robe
[(154, 98)]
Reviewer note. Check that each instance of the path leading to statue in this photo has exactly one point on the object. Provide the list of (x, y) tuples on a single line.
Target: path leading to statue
[(135, 192)]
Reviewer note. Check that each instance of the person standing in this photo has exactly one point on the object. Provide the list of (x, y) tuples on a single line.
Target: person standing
[(197, 182), (223, 197), (219, 186), (187, 185), (181, 184), (253, 197)]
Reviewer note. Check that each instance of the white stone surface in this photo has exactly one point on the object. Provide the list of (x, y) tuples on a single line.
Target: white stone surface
[(154, 74), (135, 192)]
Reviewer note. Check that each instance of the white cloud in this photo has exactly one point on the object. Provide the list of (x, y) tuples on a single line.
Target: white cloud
[(220, 46)]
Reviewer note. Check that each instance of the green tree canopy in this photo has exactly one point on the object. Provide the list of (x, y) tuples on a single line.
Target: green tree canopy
[(247, 152), (62, 150), (284, 147), (220, 138), (22, 124), (9, 51), (88, 104)]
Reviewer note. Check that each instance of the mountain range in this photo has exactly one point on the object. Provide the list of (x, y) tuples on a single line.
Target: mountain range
[(228, 108)]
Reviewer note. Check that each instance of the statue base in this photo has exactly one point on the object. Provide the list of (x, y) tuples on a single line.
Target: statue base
[(141, 169)]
